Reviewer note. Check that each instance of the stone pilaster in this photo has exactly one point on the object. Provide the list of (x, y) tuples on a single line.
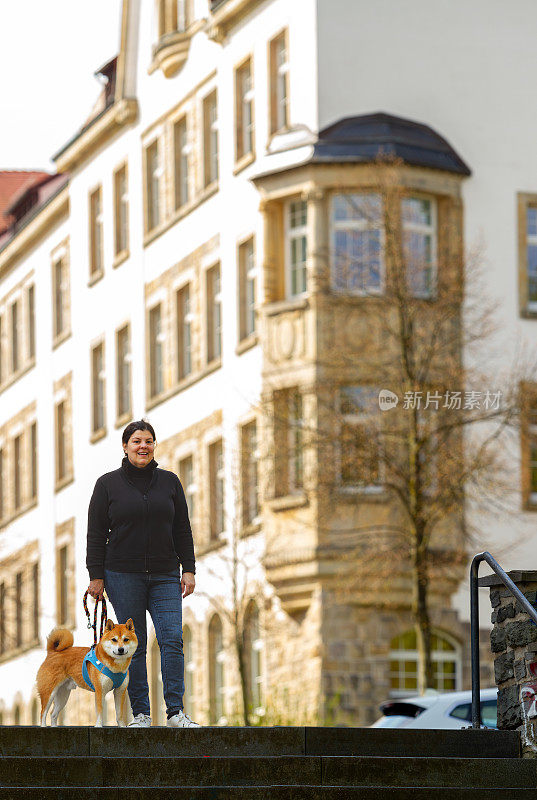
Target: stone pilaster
[(513, 642)]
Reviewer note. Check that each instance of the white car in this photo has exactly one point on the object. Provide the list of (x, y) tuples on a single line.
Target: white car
[(437, 710)]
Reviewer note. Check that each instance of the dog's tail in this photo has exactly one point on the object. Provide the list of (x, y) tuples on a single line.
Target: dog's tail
[(59, 639)]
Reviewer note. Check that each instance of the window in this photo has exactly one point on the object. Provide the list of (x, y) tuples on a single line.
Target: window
[(33, 461), (30, 299), (17, 471), (186, 476), (18, 610), (189, 671), (96, 232), (529, 287), (152, 182), (61, 454), (156, 343), (214, 314), (404, 664), (250, 476), (210, 139), (279, 83), (181, 149), (217, 659), (35, 600), (296, 247), (123, 371), (65, 573), (62, 585), (2, 480), (3, 636), (60, 296), (529, 446), (247, 289), (419, 244), (289, 438), (15, 337), (98, 388), (182, 15), (216, 493), (121, 211), (244, 111), (254, 646), (185, 320), (357, 264), (359, 462)]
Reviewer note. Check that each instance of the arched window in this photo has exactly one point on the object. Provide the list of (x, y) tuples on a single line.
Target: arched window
[(157, 697), (253, 645), (17, 715), (404, 663), (216, 670), (188, 699)]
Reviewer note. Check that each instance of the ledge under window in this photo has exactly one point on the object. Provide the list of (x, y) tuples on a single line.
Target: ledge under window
[(65, 481), (97, 435), (120, 258), (367, 494), (170, 53), (95, 277), (246, 344), (244, 162), (288, 501)]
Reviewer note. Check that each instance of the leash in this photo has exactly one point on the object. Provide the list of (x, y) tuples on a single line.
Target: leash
[(104, 617)]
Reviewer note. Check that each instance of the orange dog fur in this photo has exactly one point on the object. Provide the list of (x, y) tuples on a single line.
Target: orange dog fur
[(61, 671)]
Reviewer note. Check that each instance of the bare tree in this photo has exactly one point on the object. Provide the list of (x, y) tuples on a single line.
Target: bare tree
[(398, 277)]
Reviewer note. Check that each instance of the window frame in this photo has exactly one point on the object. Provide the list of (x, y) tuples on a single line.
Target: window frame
[(247, 275), (184, 322), (431, 230), (275, 73), (123, 364), (213, 305), (210, 139), (121, 212), (154, 190), (96, 233), (359, 226), (291, 234), (157, 340), (367, 420), (98, 389), (182, 166), (244, 97)]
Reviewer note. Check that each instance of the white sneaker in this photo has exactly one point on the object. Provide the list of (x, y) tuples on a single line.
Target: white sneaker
[(140, 721), (181, 720)]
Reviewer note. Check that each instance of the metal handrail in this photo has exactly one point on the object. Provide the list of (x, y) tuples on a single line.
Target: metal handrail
[(474, 618)]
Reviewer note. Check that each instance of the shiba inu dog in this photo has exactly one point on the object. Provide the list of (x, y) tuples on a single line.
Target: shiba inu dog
[(102, 670)]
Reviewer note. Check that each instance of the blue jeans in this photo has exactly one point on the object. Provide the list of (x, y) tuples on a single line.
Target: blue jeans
[(132, 594)]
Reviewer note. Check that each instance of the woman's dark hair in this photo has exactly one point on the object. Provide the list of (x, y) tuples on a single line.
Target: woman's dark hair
[(137, 425)]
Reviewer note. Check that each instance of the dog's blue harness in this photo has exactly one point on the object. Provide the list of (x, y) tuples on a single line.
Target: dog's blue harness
[(117, 678)]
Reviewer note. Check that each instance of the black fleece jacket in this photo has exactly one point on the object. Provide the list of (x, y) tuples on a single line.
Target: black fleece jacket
[(133, 529)]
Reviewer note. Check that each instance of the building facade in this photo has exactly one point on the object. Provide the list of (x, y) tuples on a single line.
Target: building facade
[(198, 259)]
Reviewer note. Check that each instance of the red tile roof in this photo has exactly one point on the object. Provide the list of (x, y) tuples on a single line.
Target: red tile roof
[(15, 182)]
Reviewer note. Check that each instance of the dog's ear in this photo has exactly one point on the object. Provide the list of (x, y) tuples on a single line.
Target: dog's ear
[(129, 625), (109, 625)]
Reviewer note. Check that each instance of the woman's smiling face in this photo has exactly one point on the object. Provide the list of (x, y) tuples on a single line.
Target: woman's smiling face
[(140, 448)]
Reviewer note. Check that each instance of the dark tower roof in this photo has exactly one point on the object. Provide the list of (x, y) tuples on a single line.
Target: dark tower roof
[(365, 138)]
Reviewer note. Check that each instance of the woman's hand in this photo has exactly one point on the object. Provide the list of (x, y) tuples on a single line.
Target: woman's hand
[(188, 582), (96, 588)]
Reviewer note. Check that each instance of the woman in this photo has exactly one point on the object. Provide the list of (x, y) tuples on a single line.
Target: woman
[(138, 532)]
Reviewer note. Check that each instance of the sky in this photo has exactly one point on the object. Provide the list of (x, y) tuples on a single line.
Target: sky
[(49, 50)]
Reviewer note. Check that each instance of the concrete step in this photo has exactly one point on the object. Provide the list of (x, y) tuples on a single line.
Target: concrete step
[(263, 793), (263, 771), (78, 741)]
